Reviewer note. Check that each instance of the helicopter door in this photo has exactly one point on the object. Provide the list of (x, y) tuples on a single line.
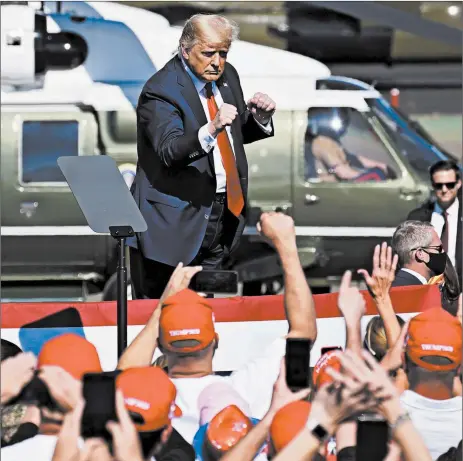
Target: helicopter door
[(44, 232), (350, 186)]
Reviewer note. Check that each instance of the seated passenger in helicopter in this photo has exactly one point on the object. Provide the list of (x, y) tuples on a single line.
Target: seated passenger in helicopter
[(326, 159)]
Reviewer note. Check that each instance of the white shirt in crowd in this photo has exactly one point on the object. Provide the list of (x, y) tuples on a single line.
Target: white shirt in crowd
[(437, 221), (206, 140), (418, 276), (438, 421), (38, 448), (254, 382)]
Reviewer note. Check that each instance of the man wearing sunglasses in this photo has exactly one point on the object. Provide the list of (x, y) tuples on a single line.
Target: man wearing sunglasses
[(420, 252), (444, 210)]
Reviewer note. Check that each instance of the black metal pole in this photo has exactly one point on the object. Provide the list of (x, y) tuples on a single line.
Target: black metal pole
[(121, 299)]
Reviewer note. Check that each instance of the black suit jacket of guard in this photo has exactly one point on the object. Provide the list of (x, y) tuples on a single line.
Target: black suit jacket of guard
[(175, 182)]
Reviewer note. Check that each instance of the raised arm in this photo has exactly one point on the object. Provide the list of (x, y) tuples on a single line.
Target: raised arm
[(379, 284), (247, 448), (141, 350), (161, 122), (299, 302), (351, 303)]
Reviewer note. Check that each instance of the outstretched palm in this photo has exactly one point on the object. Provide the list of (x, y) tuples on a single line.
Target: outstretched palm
[(384, 268)]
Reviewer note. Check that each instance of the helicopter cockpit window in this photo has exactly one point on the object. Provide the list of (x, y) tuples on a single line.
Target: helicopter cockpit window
[(341, 145), (43, 142)]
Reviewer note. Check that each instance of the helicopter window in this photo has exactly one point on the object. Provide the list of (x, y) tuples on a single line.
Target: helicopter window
[(420, 156), (43, 142), (341, 145)]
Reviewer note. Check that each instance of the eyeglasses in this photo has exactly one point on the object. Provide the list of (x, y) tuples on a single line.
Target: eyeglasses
[(440, 185), (439, 248)]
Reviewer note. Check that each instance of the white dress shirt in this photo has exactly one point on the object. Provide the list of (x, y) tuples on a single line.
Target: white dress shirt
[(206, 140), (418, 276), (438, 221)]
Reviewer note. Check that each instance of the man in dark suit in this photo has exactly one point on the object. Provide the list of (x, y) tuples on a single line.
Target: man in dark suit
[(192, 173), (444, 211), (420, 253)]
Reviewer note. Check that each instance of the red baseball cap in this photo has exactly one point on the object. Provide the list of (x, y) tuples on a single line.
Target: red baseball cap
[(72, 353), (319, 375), (186, 323), (288, 422), (149, 392), (431, 334), (227, 428)]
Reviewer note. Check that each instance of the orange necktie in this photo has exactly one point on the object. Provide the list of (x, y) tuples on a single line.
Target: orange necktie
[(235, 198)]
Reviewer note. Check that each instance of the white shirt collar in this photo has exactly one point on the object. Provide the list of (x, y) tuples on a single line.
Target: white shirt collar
[(451, 210), (418, 276), (198, 83)]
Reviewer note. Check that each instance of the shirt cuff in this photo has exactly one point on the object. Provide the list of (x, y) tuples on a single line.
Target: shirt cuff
[(267, 129), (206, 140)]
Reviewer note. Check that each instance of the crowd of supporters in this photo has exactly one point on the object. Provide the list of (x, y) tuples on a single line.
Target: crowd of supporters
[(394, 394)]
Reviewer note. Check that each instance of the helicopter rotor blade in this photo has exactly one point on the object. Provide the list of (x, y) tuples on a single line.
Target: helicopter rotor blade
[(397, 19)]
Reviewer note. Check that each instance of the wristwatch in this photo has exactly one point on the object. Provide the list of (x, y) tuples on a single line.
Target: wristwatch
[(317, 430), (403, 417)]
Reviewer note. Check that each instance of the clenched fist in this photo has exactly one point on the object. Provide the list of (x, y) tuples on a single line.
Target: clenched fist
[(276, 227), (225, 116), (262, 107)]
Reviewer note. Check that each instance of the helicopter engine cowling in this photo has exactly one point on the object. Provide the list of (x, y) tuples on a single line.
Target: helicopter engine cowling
[(28, 50)]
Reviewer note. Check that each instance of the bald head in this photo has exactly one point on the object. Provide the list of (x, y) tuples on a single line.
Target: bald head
[(204, 44)]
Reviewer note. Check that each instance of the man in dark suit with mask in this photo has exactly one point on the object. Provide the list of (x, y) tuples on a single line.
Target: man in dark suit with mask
[(420, 253), (192, 173), (444, 210)]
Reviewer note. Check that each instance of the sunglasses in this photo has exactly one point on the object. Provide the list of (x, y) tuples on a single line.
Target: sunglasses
[(440, 185), (439, 248)]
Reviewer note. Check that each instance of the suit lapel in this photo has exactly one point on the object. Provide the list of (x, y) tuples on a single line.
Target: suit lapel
[(191, 96), (189, 92)]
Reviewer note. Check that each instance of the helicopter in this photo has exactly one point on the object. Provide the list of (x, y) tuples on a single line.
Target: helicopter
[(71, 76)]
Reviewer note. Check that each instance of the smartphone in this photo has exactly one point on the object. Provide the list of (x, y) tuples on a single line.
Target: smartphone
[(372, 438), (99, 390), (325, 350), (297, 361), (215, 282)]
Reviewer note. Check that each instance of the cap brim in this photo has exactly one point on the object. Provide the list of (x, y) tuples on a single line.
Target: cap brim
[(198, 440)]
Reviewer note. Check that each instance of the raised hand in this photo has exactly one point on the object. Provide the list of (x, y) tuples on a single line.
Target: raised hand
[(351, 302), (17, 371), (225, 117), (262, 107), (179, 280), (384, 268), (282, 395), (125, 436), (276, 227)]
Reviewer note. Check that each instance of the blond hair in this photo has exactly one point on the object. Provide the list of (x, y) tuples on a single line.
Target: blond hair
[(194, 28)]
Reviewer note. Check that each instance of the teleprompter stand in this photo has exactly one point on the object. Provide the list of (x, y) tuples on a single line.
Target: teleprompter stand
[(108, 207)]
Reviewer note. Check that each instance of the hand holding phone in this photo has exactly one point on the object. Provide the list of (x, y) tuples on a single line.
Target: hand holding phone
[(297, 362), (99, 391), (372, 438)]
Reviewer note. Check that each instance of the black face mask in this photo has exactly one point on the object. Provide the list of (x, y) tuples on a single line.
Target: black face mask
[(437, 262)]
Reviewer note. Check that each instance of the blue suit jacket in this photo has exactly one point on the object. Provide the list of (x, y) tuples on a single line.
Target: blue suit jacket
[(175, 182)]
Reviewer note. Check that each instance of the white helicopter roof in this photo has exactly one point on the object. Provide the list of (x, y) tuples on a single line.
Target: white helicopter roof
[(126, 45), (156, 35), (160, 42)]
